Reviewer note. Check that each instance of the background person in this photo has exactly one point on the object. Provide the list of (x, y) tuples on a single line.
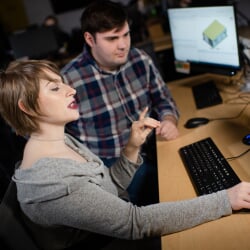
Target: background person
[(62, 37)]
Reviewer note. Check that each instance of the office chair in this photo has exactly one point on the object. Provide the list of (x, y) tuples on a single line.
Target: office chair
[(18, 232), (4, 180), (12, 230), (148, 47)]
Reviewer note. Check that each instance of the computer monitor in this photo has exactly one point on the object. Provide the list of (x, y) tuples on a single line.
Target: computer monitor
[(205, 39), (34, 43)]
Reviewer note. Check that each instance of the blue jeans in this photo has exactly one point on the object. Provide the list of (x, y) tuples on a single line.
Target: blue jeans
[(143, 189)]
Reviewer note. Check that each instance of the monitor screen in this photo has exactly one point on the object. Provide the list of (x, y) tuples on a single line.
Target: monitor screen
[(205, 39), (34, 43)]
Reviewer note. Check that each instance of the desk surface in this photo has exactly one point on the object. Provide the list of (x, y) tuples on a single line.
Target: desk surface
[(231, 232)]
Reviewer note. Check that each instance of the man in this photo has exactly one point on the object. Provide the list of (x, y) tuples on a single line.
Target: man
[(114, 83)]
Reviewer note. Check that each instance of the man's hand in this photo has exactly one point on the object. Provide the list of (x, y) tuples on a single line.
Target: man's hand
[(168, 128)]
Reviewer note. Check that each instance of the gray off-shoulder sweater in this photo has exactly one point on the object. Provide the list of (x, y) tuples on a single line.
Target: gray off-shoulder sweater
[(63, 192)]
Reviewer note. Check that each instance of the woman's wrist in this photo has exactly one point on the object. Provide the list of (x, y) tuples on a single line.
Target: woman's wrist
[(131, 152)]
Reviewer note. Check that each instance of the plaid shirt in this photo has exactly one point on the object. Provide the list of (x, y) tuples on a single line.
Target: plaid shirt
[(110, 102)]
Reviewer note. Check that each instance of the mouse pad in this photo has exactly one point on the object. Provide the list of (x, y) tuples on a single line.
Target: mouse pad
[(206, 94)]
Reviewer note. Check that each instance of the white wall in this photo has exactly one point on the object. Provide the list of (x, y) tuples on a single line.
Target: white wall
[(37, 10), (70, 20)]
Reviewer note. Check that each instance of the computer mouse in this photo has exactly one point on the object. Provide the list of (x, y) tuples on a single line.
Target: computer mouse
[(246, 139), (196, 121)]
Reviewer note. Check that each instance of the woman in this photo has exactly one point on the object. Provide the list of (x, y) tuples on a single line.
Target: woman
[(61, 183)]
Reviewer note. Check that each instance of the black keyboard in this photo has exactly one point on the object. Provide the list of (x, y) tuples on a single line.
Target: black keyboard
[(206, 95), (207, 167)]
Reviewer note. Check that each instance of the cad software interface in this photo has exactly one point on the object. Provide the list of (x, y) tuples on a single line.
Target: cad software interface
[(205, 34)]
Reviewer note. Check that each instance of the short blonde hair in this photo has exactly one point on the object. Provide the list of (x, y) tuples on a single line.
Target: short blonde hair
[(21, 82)]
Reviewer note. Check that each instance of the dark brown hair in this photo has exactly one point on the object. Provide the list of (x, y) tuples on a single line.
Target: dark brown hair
[(101, 16)]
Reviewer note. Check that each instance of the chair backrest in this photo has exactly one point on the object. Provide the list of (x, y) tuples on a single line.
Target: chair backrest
[(12, 230), (18, 232), (148, 47), (4, 181)]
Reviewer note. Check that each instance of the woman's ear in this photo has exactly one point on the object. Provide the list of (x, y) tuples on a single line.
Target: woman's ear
[(22, 107), (89, 39)]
